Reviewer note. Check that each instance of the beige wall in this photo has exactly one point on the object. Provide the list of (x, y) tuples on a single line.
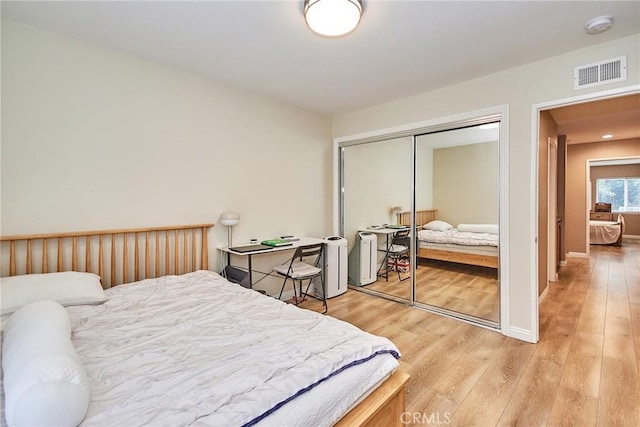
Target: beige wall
[(576, 196), (631, 220), (465, 183), (521, 88), (94, 139), (377, 177)]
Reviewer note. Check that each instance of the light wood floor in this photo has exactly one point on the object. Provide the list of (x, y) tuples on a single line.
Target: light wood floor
[(583, 372), (462, 288)]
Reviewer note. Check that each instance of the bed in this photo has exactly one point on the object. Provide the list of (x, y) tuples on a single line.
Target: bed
[(606, 232), (180, 345), (473, 244)]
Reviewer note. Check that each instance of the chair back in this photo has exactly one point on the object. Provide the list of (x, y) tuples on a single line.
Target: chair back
[(309, 251), (402, 238)]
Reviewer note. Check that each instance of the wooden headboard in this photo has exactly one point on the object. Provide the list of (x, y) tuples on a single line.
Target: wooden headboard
[(131, 254), (422, 217)]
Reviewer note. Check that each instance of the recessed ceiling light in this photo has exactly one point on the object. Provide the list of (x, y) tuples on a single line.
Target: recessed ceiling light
[(599, 24), (607, 136)]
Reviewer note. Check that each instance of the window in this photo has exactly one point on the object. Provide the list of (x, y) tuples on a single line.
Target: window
[(622, 193)]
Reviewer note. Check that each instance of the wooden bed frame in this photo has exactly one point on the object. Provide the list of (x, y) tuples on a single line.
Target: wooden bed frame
[(423, 217), (142, 253)]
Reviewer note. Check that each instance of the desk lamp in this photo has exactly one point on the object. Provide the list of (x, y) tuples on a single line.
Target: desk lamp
[(395, 211), (229, 219)]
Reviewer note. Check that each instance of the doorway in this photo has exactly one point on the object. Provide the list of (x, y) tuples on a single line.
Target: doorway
[(578, 120)]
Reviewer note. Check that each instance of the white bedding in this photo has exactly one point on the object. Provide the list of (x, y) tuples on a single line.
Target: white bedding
[(197, 349), (604, 232), (454, 236)]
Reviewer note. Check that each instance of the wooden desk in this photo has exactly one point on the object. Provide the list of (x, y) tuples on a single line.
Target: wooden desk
[(304, 241)]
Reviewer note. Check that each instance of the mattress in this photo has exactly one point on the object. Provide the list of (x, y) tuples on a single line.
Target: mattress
[(603, 232), (461, 238), (198, 350)]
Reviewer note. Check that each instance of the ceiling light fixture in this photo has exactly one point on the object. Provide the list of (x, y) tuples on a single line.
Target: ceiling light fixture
[(332, 18), (607, 136), (599, 25)]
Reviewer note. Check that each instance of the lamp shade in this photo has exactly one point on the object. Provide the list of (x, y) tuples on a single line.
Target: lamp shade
[(229, 218), (332, 18)]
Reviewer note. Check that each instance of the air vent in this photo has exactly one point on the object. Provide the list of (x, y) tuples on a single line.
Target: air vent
[(600, 73)]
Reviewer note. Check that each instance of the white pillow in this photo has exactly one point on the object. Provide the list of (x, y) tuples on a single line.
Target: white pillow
[(67, 288), (44, 380), (479, 228), (437, 225)]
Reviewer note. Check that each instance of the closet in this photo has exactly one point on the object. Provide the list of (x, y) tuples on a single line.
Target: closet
[(441, 179)]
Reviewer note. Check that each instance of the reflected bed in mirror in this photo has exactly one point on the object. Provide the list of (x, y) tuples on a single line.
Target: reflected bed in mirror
[(466, 244)]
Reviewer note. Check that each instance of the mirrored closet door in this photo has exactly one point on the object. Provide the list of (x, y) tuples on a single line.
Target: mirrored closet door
[(376, 189), (434, 194), (457, 204)]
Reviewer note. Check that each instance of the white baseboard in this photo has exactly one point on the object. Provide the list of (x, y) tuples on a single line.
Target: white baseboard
[(563, 263), (631, 236), (577, 255), (544, 294)]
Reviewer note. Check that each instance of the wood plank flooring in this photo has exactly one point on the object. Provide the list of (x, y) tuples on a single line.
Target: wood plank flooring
[(467, 289), (583, 372)]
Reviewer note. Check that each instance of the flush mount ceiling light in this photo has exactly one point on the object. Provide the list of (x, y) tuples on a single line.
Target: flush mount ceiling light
[(599, 24), (332, 18), (607, 136)]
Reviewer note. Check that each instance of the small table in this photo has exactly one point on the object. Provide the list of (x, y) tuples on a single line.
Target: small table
[(304, 241), (385, 231)]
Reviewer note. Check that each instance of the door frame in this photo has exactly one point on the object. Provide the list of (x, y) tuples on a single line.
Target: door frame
[(552, 203), (536, 109)]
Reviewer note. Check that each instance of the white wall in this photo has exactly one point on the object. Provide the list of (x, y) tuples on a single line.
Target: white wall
[(424, 178), (520, 88), (94, 139), (377, 178), (465, 189)]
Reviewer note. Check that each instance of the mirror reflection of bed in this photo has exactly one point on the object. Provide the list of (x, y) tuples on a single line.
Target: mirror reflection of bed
[(457, 267)]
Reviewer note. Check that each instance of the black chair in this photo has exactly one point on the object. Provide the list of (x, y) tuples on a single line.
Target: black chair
[(399, 250), (304, 265)]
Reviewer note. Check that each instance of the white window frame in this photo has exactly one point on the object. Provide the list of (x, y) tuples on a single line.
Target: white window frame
[(625, 208)]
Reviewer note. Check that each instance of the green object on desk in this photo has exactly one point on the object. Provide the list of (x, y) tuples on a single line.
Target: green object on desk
[(277, 242)]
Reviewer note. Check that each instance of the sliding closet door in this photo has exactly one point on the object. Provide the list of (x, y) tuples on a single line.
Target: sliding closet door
[(457, 185), (376, 184)]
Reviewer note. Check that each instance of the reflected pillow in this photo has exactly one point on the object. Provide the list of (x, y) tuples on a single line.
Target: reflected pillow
[(437, 225), (479, 228), (67, 288)]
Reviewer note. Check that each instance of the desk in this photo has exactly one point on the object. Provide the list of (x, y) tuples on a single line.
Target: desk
[(385, 232), (304, 241)]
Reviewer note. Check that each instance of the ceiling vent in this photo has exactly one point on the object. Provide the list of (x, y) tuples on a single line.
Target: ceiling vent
[(600, 73)]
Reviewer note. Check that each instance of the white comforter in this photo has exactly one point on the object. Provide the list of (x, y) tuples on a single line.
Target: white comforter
[(198, 349), (604, 232), (456, 237)]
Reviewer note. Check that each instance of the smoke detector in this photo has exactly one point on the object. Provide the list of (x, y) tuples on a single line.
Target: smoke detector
[(599, 25)]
